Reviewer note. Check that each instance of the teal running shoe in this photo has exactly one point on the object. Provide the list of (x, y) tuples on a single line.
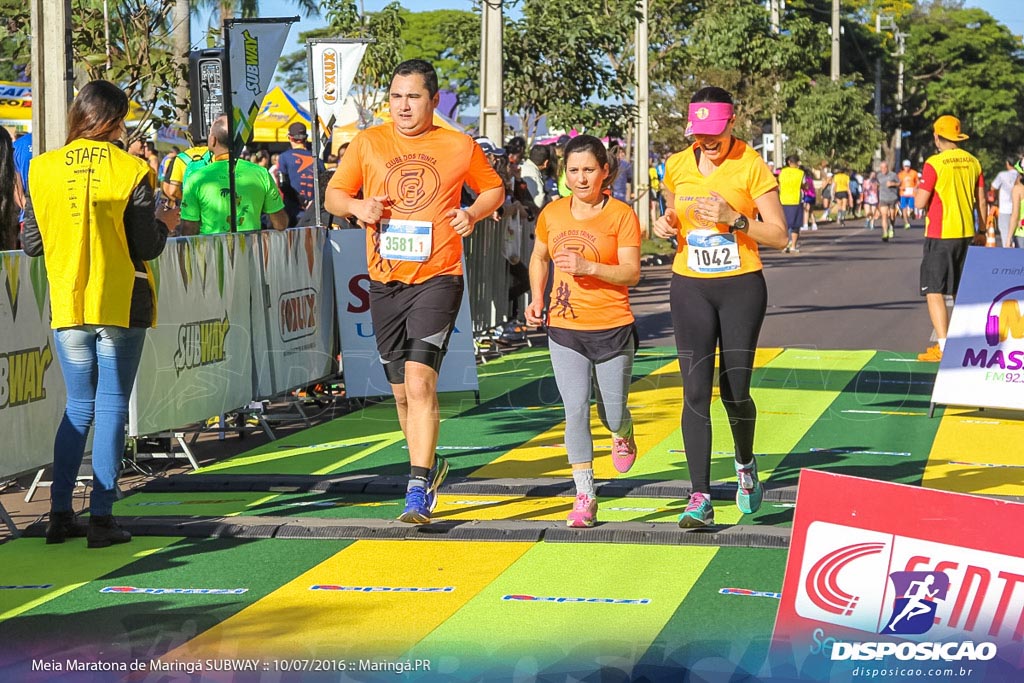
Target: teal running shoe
[(749, 492), (698, 513)]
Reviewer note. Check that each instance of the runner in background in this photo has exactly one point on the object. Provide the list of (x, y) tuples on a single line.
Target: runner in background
[(888, 197), (809, 196), (871, 201), (1017, 220), (791, 185), (1004, 183), (841, 185), (716, 190), (909, 179), (952, 188), (411, 175), (594, 242)]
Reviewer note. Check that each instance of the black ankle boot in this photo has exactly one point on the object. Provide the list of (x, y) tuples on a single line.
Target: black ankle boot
[(104, 531), (63, 525)]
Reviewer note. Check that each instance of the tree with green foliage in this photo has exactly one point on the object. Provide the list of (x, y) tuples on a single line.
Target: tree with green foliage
[(431, 36), (831, 122), (963, 62), (383, 28), (15, 41)]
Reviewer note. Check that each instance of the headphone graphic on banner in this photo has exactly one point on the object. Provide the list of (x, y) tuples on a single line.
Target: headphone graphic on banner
[(992, 321)]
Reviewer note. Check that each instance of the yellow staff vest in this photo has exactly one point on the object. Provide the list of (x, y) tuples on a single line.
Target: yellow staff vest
[(79, 194)]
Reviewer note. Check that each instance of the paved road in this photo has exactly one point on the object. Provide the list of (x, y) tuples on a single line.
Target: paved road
[(846, 289)]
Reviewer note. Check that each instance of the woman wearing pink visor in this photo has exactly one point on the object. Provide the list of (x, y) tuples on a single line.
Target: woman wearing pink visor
[(724, 202)]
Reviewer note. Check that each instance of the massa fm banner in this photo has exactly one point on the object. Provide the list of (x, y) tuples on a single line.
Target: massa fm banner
[(983, 364), (31, 385), (197, 362), (293, 329)]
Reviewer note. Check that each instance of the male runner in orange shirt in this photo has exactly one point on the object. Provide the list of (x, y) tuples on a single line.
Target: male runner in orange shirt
[(411, 174)]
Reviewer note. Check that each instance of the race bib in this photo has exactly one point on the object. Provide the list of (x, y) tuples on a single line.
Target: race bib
[(908, 191), (710, 251), (402, 240)]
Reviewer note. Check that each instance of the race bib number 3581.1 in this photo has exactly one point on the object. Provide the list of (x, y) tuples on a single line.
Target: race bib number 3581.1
[(710, 251), (406, 240)]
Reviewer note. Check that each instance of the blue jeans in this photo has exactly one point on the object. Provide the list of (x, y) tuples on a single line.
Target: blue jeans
[(99, 365)]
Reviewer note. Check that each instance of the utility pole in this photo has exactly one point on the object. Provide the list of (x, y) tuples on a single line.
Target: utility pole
[(835, 41), (889, 23), (492, 103), (776, 128), (641, 160), (52, 74)]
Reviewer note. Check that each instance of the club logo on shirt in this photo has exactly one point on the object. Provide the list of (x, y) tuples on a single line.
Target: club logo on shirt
[(412, 185)]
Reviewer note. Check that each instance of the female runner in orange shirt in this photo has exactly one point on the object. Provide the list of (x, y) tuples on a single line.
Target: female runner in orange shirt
[(594, 241), (725, 201)]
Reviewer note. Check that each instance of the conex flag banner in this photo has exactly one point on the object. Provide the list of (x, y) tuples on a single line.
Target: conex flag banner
[(334, 65), (31, 385), (197, 362), (254, 49), (983, 364)]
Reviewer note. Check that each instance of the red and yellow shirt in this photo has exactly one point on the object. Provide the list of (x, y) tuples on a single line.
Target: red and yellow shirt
[(588, 303), (740, 179), (422, 179), (953, 177)]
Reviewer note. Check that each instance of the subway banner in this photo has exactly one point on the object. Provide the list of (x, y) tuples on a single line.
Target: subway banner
[(253, 48), (31, 385), (293, 329), (364, 375), (333, 65), (898, 583), (197, 362), (983, 364)]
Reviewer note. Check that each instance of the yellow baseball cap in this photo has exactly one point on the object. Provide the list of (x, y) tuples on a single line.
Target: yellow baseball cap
[(948, 127)]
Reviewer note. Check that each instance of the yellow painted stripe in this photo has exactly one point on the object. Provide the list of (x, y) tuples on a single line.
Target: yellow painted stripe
[(295, 621), (988, 441)]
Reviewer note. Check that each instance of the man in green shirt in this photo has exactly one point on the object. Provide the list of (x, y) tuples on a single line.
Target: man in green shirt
[(206, 206)]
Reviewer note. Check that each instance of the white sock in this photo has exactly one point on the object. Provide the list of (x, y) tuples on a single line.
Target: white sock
[(584, 479), (942, 344)]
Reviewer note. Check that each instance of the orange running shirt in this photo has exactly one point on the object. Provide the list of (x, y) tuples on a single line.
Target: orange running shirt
[(953, 178), (422, 179), (908, 182), (740, 179), (585, 302)]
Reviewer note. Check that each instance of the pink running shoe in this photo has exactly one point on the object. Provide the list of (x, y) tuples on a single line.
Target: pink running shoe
[(584, 512), (623, 453)]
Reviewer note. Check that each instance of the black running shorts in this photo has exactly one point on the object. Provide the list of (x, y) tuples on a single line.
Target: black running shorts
[(414, 322), (794, 217), (942, 264)]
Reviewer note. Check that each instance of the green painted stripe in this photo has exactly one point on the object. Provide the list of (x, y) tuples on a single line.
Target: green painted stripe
[(492, 636), (129, 626), (733, 629)]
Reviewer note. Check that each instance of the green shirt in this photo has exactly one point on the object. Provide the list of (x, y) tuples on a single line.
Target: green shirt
[(205, 200)]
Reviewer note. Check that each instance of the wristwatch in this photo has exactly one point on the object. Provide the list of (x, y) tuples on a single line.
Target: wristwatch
[(741, 224)]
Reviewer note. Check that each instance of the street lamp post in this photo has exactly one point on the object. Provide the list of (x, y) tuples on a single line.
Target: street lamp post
[(641, 159), (492, 104)]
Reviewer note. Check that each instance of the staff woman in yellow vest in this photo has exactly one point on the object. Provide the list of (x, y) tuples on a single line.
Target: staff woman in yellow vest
[(92, 214), (724, 202)]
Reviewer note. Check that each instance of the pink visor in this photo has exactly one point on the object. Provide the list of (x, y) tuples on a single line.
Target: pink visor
[(708, 118)]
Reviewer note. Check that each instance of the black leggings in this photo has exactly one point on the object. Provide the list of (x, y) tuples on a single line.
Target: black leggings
[(724, 312)]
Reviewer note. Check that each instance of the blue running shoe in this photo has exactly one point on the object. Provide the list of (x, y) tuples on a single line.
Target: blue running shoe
[(749, 491), (416, 510), (434, 480), (698, 513)]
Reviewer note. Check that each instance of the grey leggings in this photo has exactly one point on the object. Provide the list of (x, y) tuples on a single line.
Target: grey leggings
[(575, 375)]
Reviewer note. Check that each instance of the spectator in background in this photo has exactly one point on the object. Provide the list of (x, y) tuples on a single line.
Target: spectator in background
[(297, 168), (206, 206), (12, 198), (622, 185), (533, 172), (563, 189), (1017, 217), (163, 173), (515, 149), (1004, 183), (102, 296)]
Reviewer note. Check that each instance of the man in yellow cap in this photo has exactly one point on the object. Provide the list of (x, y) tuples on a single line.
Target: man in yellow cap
[(952, 190)]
